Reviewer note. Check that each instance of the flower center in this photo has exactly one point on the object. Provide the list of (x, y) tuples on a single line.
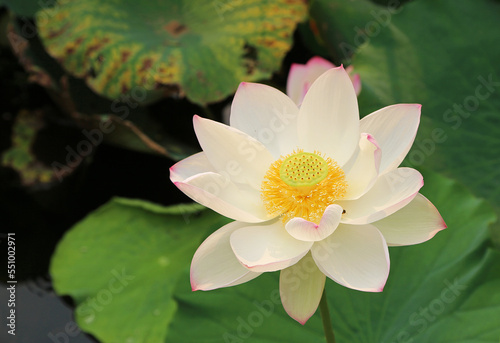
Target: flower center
[(303, 170), (302, 184)]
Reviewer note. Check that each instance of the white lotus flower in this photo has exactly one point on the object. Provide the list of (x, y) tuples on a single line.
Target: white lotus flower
[(302, 76), (314, 191)]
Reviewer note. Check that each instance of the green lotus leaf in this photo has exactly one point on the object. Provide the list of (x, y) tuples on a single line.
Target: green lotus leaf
[(200, 49), (121, 264)]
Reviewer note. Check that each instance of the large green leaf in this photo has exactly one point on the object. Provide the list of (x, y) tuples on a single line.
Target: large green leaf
[(201, 48), (121, 264), (153, 246)]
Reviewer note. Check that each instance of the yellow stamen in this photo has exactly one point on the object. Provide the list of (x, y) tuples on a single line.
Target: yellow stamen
[(302, 184)]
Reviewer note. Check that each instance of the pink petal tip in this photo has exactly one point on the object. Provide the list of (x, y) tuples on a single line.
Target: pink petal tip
[(320, 60)]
